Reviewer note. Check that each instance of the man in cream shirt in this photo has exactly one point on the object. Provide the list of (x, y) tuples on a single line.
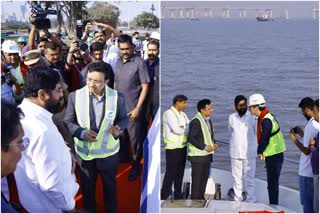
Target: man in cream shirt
[(243, 149), (44, 175), (175, 131)]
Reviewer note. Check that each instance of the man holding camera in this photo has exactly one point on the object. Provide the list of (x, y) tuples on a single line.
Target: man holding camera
[(17, 71), (305, 169)]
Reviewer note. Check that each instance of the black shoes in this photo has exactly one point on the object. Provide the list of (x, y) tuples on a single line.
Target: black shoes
[(134, 173)]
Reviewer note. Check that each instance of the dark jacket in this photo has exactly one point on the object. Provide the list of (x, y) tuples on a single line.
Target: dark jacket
[(70, 118), (195, 137)]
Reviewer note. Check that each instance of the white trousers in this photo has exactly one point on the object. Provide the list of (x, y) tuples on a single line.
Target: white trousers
[(243, 172)]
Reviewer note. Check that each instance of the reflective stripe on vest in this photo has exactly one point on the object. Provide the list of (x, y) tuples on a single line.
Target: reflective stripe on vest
[(105, 145), (276, 142), (192, 150), (174, 141)]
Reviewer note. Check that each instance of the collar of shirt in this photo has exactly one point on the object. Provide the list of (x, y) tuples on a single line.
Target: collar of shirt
[(131, 59), (36, 108), (154, 63), (100, 98), (175, 110)]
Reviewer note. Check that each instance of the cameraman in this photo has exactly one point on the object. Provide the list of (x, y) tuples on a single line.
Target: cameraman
[(9, 84), (43, 35), (17, 68)]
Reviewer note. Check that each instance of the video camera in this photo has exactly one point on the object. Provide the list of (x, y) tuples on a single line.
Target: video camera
[(41, 22), (5, 74)]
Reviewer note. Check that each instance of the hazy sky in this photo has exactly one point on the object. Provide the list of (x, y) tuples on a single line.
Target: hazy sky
[(128, 9), (296, 9)]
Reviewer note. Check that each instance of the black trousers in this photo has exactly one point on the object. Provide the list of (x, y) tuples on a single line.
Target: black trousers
[(135, 134), (107, 167), (274, 165), (175, 164), (199, 174)]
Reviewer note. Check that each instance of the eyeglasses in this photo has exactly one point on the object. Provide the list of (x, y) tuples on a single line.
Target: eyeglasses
[(96, 82), (25, 143)]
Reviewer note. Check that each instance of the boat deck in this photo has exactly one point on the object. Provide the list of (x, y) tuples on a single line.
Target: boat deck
[(217, 206)]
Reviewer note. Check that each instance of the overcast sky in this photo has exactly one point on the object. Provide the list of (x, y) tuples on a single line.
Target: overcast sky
[(296, 9), (128, 9)]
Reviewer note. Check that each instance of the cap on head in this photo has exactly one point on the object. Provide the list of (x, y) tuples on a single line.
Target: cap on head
[(31, 57), (257, 99), (22, 39), (155, 35), (10, 46)]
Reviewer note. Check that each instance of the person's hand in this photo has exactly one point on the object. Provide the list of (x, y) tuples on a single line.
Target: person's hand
[(32, 18), (134, 114), (14, 80), (106, 26), (74, 47), (312, 142), (88, 27), (209, 148), (292, 136), (261, 156), (215, 147), (90, 136), (115, 130), (299, 131)]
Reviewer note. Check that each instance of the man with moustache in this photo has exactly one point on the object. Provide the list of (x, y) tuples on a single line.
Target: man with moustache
[(305, 169), (243, 147), (52, 52), (271, 145), (96, 116), (201, 146), (153, 65), (44, 175), (132, 80)]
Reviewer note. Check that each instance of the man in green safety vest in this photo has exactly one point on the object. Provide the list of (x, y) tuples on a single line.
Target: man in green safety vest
[(201, 146), (175, 130), (96, 116), (271, 144)]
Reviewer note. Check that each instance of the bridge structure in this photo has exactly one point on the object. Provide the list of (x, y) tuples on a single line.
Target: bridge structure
[(209, 12)]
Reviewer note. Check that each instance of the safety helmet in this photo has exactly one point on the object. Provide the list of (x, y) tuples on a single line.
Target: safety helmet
[(22, 39), (257, 99), (155, 35), (10, 46)]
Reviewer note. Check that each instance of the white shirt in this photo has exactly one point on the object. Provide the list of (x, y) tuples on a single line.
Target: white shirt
[(43, 174), (243, 139), (145, 49), (111, 55), (310, 131), (172, 124)]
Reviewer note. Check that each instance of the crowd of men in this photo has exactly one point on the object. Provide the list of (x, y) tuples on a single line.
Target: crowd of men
[(254, 133), (87, 104)]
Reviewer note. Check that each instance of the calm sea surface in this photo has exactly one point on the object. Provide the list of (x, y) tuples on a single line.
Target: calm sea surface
[(219, 59)]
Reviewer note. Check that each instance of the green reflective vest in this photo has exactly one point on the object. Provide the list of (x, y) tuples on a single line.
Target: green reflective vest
[(192, 150), (276, 142), (105, 145), (173, 141)]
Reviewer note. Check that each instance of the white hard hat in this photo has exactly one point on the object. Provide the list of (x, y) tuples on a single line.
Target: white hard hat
[(10, 46), (155, 35), (257, 99)]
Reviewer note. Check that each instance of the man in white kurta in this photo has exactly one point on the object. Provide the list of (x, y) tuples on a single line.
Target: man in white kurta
[(44, 177), (243, 150)]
